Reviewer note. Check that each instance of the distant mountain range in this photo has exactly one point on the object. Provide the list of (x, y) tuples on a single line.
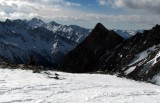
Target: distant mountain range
[(72, 32), (48, 42), (126, 34), (105, 51), (129, 53)]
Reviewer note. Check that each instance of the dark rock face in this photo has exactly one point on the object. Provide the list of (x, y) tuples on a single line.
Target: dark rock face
[(118, 60), (103, 50), (85, 56)]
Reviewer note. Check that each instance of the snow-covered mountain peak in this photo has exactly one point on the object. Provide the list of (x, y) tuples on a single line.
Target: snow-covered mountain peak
[(21, 38), (127, 33), (35, 22), (72, 32), (54, 23)]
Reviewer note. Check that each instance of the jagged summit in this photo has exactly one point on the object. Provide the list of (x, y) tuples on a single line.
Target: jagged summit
[(156, 28), (7, 21), (84, 57), (103, 31), (35, 22), (54, 23), (99, 26), (21, 38), (36, 19), (137, 57)]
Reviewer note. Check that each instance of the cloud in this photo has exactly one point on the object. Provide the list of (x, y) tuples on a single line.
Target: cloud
[(102, 2), (72, 4), (106, 2), (140, 13), (67, 12), (130, 19), (52, 2), (147, 6), (10, 6), (44, 8)]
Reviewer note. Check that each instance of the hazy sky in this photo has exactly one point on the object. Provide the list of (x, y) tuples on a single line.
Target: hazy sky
[(114, 14)]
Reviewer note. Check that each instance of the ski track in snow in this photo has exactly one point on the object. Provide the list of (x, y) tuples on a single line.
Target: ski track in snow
[(23, 86)]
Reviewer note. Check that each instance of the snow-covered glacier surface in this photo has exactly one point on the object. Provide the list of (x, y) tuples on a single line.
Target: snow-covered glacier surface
[(23, 86)]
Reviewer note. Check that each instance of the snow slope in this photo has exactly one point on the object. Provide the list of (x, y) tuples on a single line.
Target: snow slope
[(22, 86), (148, 61)]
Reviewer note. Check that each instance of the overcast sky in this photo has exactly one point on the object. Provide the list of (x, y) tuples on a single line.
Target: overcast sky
[(114, 14)]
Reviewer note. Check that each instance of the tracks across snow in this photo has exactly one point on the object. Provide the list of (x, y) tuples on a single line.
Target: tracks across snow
[(22, 86)]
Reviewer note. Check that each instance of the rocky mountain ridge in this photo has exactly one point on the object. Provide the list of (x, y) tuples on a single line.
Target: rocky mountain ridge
[(19, 39), (84, 57), (72, 32), (48, 42), (136, 57)]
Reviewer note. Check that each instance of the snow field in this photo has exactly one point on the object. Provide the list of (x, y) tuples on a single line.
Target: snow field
[(23, 86)]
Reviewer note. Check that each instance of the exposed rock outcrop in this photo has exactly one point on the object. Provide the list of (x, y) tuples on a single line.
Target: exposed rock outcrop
[(85, 56), (104, 51)]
